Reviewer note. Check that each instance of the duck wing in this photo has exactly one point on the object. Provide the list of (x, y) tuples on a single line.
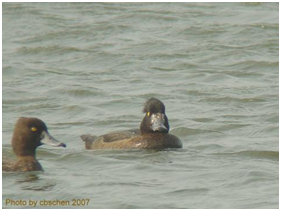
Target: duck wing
[(110, 137)]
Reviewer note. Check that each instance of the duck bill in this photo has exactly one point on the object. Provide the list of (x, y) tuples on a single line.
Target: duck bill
[(158, 123), (49, 140)]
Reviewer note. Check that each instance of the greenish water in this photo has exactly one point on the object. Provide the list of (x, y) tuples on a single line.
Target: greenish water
[(89, 67)]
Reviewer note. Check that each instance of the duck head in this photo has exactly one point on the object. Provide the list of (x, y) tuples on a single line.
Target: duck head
[(155, 119), (29, 133)]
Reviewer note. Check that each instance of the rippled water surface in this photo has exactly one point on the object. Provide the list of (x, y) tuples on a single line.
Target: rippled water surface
[(89, 67)]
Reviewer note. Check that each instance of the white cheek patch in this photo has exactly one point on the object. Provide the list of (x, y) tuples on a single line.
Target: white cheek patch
[(138, 144)]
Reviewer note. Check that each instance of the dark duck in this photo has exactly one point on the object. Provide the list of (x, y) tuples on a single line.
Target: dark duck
[(153, 132), (29, 133)]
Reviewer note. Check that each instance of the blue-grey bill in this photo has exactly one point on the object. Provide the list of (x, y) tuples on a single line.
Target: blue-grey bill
[(157, 123), (49, 140)]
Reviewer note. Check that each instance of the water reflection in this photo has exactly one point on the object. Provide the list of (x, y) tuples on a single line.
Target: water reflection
[(28, 178), (34, 183)]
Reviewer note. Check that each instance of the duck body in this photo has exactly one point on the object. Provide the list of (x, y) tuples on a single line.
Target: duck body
[(153, 133), (29, 133), (23, 164), (123, 140)]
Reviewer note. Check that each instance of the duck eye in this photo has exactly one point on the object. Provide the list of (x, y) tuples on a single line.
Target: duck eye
[(148, 113), (33, 129)]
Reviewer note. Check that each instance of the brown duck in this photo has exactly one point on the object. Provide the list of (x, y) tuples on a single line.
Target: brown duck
[(153, 132), (29, 133)]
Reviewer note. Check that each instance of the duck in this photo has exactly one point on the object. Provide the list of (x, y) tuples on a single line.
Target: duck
[(152, 134), (29, 133)]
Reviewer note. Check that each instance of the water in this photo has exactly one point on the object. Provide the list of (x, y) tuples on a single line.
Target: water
[(89, 67)]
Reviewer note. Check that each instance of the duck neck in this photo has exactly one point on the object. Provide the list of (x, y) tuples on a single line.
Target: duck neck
[(143, 126), (27, 163), (143, 130), (26, 157), (26, 153), (23, 149)]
